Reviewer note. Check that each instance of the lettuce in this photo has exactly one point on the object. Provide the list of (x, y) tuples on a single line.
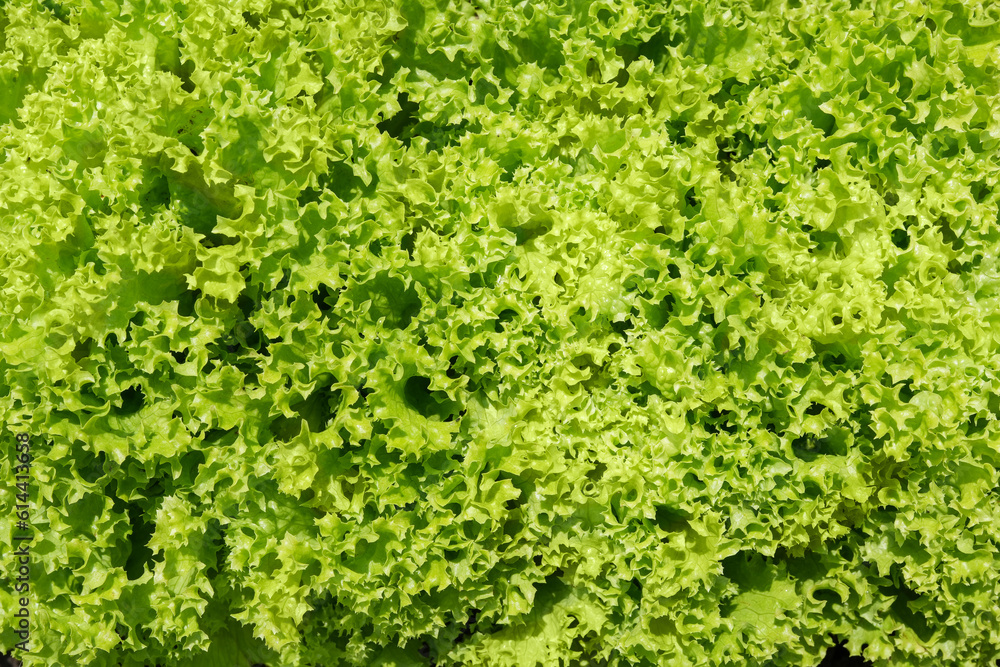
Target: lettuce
[(539, 333)]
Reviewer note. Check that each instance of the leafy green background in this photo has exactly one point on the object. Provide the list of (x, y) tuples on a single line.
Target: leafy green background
[(551, 333)]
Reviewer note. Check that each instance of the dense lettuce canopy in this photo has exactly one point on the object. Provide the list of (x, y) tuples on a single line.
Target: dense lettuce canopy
[(353, 332)]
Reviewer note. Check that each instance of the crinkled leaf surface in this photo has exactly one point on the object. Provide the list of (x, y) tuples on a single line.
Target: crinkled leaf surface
[(357, 332)]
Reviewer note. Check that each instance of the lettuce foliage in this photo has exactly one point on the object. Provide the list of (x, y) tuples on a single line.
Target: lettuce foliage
[(355, 332)]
